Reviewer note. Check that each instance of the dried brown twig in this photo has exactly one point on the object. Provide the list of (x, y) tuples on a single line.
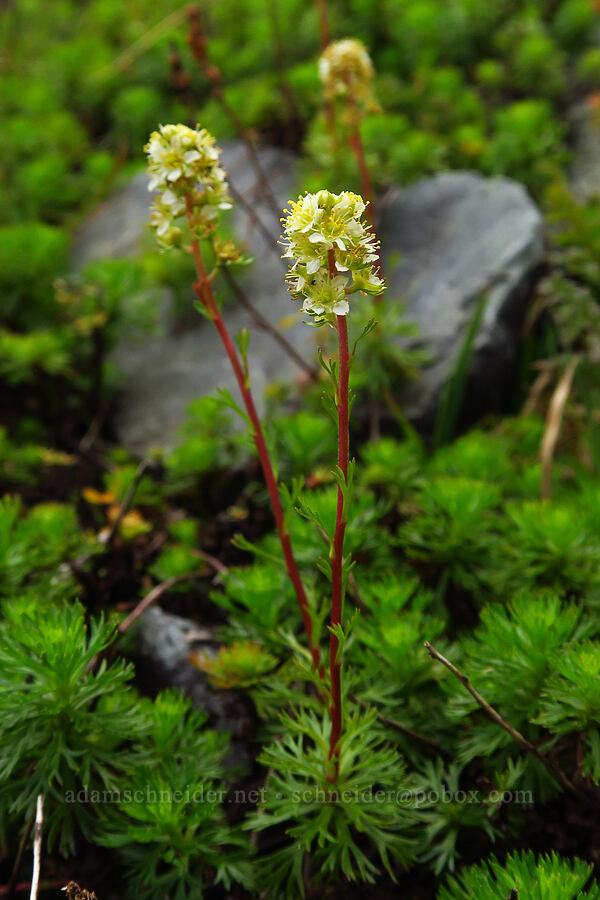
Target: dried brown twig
[(403, 729), (261, 322), (197, 42), (160, 589), (496, 717)]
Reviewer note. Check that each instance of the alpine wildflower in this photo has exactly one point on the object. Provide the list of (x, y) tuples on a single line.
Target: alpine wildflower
[(333, 252), (346, 70), (184, 167)]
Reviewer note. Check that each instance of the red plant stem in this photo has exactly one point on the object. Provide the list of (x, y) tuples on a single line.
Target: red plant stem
[(356, 146), (324, 30), (204, 292), (337, 560), (197, 41), (325, 37)]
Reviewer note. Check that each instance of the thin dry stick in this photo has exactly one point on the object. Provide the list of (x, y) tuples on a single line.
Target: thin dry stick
[(496, 717), (553, 422), (182, 80), (261, 322), (37, 847), (542, 380), (197, 43), (160, 589), (127, 501), (403, 729), (272, 241)]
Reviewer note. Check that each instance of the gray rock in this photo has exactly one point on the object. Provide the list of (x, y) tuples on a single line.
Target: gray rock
[(116, 228), (164, 374), (460, 234), (164, 644)]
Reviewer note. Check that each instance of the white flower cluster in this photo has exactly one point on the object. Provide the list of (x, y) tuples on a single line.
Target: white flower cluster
[(346, 70), (185, 162), (333, 251)]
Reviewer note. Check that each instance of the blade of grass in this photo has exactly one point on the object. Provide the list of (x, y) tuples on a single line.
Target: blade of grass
[(553, 425), (454, 388)]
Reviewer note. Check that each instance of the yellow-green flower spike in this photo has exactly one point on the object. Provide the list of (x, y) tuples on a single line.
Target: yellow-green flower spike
[(184, 163), (333, 252), (346, 71)]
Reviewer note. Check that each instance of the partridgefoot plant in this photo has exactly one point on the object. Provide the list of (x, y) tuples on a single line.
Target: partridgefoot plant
[(184, 164), (327, 770), (524, 876)]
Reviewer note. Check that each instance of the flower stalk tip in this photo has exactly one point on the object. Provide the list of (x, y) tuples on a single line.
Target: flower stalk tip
[(333, 252), (347, 73), (185, 162)]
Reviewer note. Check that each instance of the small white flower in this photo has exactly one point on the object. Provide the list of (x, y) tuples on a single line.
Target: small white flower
[(332, 251), (346, 70), (184, 165)]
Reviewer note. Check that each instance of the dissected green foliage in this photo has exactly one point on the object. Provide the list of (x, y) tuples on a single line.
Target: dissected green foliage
[(336, 824), (63, 727), (549, 878), (168, 822), (571, 701)]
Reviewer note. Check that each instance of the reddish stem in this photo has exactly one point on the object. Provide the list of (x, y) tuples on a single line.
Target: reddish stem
[(324, 30), (204, 292), (357, 148), (337, 560), (198, 44), (356, 145)]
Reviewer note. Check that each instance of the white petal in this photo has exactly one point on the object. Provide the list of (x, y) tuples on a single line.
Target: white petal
[(340, 243), (191, 156), (340, 267), (174, 175), (169, 198), (312, 266), (341, 308)]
